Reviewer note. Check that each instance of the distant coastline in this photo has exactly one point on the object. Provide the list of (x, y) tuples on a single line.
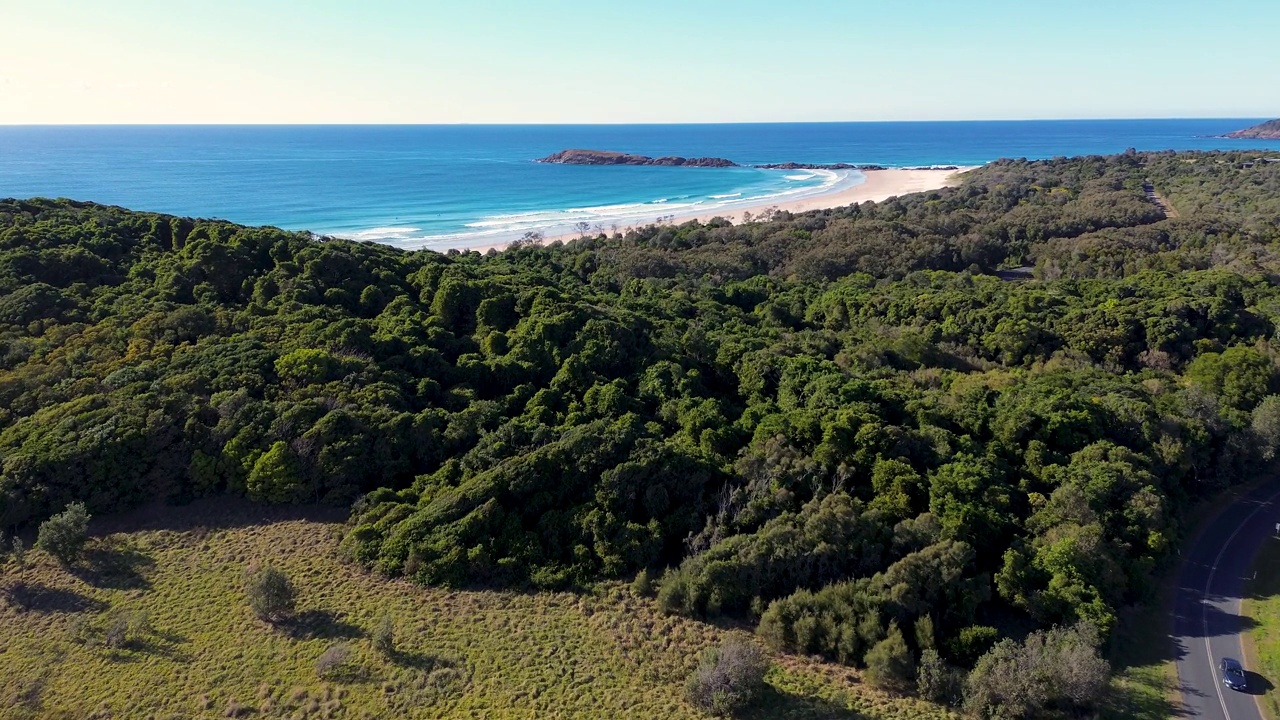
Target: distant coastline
[(609, 157), (455, 186), (1269, 130), (612, 157), (875, 186)]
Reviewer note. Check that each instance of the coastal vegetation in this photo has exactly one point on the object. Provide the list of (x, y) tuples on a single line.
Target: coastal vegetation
[(853, 432), (1261, 606)]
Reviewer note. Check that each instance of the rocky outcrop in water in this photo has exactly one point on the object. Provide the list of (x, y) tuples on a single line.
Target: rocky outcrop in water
[(817, 166), (603, 157)]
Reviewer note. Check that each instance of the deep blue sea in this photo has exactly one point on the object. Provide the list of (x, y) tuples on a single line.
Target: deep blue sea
[(471, 185)]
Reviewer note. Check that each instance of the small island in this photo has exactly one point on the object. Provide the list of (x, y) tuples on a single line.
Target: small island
[(817, 166), (1269, 130), (607, 157), (604, 157)]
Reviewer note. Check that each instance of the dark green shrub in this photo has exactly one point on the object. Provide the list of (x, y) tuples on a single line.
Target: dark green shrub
[(384, 636), (63, 536), (972, 643), (938, 682), (271, 595), (1052, 670), (890, 665), (642, 586)]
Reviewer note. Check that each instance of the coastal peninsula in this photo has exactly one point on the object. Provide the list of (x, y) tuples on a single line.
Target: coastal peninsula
[(604, 157), (1269, 130), (608, 157), (817, 166)]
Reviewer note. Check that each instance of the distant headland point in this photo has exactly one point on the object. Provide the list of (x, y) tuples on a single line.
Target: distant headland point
[(606, 157), (1269, 130)]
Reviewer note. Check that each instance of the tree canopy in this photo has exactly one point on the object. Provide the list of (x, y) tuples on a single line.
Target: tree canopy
[(840, 424)]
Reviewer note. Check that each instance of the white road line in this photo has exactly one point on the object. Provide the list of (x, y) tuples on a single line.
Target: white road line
[(1204, 602)]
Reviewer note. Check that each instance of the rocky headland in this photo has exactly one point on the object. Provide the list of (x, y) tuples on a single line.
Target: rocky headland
[(817, 166), (1269, 130), (604, 157)]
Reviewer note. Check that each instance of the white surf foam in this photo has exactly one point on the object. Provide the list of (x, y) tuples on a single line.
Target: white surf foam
[(500, 228)]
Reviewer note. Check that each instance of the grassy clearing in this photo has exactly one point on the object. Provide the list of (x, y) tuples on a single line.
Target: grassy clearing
[(1262, 605), (202, 654)]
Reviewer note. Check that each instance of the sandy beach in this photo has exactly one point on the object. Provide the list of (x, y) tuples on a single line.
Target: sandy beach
[(879, 185)]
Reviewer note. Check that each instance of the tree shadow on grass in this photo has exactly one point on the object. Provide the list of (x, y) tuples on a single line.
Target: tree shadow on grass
[(774, 703), (1140, 648), (349, 674), (139, 650), (211, 514), (114, 565), (1127, 702), (424, 661), (28, 695), (321, 624), (157, 643), (35, 597)]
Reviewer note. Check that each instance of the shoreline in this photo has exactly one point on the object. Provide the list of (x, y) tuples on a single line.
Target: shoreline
[(879, 185)]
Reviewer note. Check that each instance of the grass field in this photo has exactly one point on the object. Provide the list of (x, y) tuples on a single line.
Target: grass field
[(1262, 605), (202, 654)]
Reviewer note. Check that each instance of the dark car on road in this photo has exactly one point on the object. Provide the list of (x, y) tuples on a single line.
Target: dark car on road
[(1232, 674)]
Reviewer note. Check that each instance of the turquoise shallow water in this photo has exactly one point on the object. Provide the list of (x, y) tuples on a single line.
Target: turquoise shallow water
[(452, 186)]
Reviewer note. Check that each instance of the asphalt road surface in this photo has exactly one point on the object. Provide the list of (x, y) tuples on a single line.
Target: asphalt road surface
[(1206, 616)]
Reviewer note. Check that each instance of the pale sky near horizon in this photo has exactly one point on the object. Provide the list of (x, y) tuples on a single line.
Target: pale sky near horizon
[(581, 61)]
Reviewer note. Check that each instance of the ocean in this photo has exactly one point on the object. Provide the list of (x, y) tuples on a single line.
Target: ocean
[(475, 185)]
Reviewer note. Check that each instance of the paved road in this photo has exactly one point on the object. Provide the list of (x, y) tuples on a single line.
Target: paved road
[(1206, 614)]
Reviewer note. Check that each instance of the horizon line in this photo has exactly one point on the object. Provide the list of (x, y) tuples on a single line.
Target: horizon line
[(614, 124)]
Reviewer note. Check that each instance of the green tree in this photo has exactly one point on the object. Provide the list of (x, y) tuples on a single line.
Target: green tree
[(1056, 668), (938, 682), (63, 536), (306, 366), (384, 636), (271, 595), (890, 665), (1240, 376), (19, 554), (276, 476), (1266, 426)]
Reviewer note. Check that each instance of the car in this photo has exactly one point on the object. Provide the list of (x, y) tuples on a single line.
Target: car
[(1232, 674)]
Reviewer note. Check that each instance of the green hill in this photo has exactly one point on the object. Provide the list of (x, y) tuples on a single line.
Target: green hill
[(841, 431)]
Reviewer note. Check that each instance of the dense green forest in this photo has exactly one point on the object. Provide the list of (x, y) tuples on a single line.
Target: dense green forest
[(841, 425)]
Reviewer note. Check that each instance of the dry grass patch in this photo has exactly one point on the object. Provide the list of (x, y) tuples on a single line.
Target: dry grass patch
[(185, 643)]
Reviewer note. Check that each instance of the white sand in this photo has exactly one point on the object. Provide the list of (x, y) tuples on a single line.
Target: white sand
[(880, 185)]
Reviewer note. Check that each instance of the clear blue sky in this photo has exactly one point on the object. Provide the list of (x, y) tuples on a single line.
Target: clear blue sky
[(432, 61)]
